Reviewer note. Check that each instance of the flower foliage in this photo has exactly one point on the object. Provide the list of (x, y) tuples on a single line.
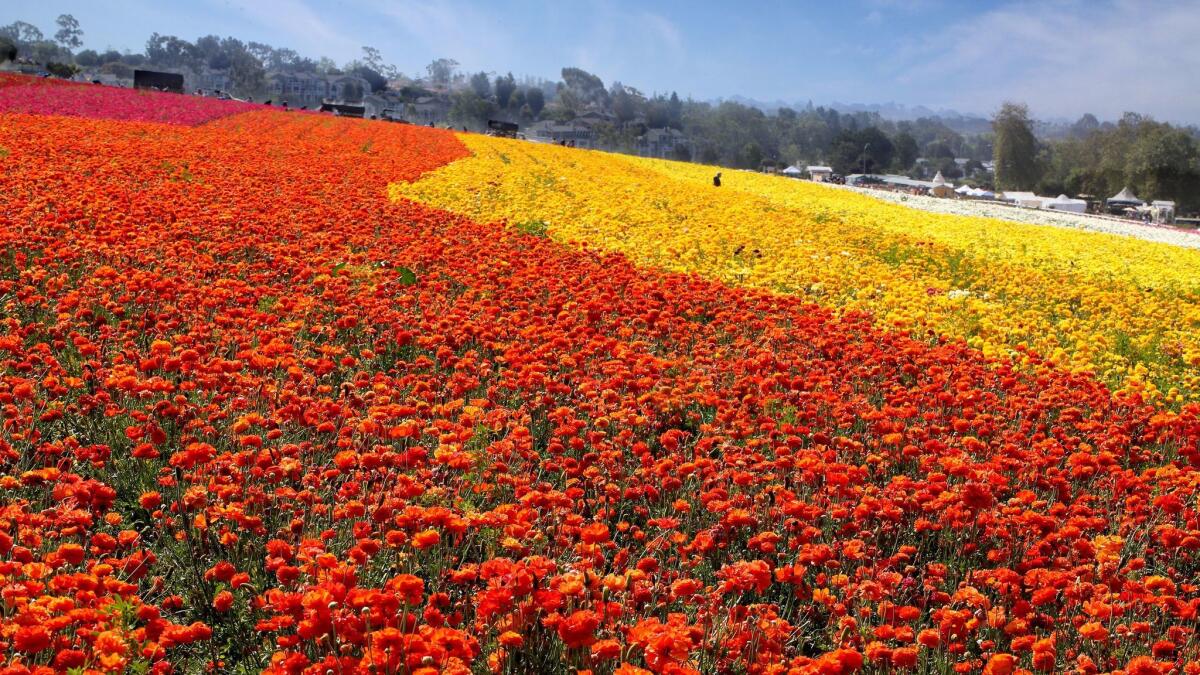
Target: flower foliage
[(22, 94), (257, 415)]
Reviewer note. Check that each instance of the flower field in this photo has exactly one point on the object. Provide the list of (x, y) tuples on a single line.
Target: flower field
[(21, 94), (1127, 310), (263, 412)]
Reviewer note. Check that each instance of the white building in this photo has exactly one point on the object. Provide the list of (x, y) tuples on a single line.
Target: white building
[(819, 173)]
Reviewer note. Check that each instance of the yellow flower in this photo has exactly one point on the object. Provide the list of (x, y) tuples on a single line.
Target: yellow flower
[(1126, 309)]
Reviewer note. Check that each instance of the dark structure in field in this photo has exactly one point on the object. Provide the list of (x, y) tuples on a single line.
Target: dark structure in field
[(152, 79)]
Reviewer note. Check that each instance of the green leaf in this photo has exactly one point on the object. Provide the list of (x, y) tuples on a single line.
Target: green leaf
[(407, 276), (339, 267)]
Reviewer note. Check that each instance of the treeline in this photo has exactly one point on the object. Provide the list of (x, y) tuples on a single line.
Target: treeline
[(1154, 159), (246, 62), (726, 133)]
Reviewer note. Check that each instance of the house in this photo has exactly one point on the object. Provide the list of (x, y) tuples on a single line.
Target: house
[(208, 80), (594, 117), (549, 131), (384, 105), (348, 88), (819, 173), (310, 90), (662, 143), (427, 110), (300, 90)]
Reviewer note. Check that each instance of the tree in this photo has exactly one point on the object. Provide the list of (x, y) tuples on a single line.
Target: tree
[(441, 71), (675, 113), (505, 86), (117, 69), (1084, 126), (949, 168), (326, 66), (516, 100), (658, 115), (372, 58), (69, 34), (87, 58), (939, 150), (906, 150), (208, 52), (373, 77), (260, 50), (536, 100), (854, 151), (21, 32), (64, 70), (624, 105), (170, 51), (588, 87), (1015, 148), (1162, 162), (470, 109), (8, 49), (750, 156), (481, 85), (246, 74)]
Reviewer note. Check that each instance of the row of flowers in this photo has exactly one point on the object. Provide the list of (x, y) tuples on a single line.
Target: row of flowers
[(24, 94), (257, 415), (1125, 309), (1166, 234)]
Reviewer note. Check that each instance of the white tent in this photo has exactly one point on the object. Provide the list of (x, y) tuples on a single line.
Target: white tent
[(964, 189), (1065, 203), (981, 193), (793, 170), (1162, 211), (939, 179), (1027, 199)]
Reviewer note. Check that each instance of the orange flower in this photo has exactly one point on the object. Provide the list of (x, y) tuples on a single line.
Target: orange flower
[(579, 629), (426, 539)]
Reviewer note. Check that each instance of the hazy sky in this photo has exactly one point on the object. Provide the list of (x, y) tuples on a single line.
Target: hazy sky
[(1063, 58)]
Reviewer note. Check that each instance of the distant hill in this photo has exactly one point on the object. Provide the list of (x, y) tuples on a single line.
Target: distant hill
[(963, 123)]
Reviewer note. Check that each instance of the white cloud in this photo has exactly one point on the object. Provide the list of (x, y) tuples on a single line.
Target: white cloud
[(1065, 58), (305, 30), (619, 44), (445, 28)]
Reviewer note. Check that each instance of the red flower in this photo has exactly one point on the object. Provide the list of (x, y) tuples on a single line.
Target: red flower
[(31, 639), (579, 629)]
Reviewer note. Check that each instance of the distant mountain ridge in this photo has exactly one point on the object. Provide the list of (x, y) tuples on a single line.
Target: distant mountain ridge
[(896, 112)]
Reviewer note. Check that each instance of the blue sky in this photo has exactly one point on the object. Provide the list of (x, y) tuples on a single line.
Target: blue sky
[(1062, 57)]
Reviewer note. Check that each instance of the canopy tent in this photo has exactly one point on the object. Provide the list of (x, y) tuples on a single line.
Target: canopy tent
[(792, 170), (939, 179), (1026, 199), (981, 193), (1125, 196), (1065, 203), (964, 189)]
